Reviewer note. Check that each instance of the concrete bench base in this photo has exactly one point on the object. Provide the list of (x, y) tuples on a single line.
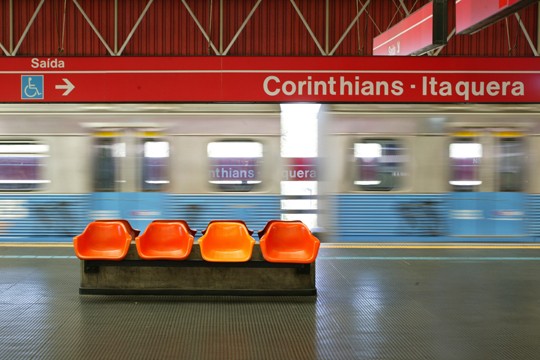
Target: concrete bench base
[(195, 276)]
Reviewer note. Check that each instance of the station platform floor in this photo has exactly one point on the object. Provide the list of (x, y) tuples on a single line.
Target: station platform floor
[(374, 301)]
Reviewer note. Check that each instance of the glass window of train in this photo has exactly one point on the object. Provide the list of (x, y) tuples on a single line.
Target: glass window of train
[(235, 165), (107, 151), (465, 160), (21, 166), (511, 167), (379, 164), (155, 164)]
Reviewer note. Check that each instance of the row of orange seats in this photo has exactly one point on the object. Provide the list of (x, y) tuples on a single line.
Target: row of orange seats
[(222, 241)]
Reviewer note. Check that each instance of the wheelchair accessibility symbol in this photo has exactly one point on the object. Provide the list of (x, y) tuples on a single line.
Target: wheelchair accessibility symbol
[(32, 87)]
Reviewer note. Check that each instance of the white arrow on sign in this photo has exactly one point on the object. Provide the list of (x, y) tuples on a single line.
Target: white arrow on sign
[(68, 87)]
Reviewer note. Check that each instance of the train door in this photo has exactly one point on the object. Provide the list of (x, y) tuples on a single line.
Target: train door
[(487, 176), (130, 175)]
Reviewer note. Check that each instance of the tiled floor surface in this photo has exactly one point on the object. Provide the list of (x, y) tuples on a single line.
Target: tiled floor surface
[(372, 304)]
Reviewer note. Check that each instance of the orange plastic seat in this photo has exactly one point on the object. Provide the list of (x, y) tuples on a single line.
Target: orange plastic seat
[(289, 242), (226, 241), (165, 240), (103, 240), (134, 232), (250, 232), (267, 226)]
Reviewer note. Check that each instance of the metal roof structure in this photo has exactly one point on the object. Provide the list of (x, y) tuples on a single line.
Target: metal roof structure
[(236, 28)]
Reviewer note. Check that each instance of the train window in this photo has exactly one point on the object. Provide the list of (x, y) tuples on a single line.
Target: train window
[(465, 155), (379, 164), (511, 166), (155, 164), (234, 165), (21, 166), (107, 150)]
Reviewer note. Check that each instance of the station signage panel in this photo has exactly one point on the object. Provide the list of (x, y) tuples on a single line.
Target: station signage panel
[(474, 15), (421, 31), (269, 79)]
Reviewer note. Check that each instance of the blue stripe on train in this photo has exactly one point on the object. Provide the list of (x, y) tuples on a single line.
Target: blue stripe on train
[(488, 214), (198, 210), (47, 217), (392, 216), (428, 217), (40, 217), (435, 217)]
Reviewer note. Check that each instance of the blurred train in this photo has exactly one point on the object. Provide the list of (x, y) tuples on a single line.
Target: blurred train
[(62, 166), (405, 173), (456, 172)]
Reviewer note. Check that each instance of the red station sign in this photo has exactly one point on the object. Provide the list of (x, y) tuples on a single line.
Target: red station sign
[(474, 15), (269, 79), (418, 33)]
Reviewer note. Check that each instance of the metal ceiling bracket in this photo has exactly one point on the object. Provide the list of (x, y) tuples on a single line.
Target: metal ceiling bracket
[(201, 29), (28, 26), (221, 26), (407, 12), (327, 28), (139, 20), (4, 50), (241, 27), (308, 28), (350, 27), (94, 28), (115, 26), (451, 35), (538, 30), (10, 26), (529, 40)]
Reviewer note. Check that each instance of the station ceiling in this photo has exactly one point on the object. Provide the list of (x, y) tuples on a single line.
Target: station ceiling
[(236, 28)]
